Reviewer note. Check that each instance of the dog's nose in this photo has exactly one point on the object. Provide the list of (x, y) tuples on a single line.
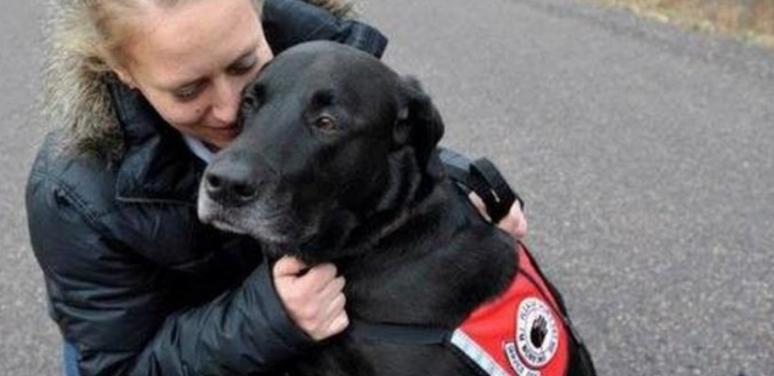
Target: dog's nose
[(230, 186)]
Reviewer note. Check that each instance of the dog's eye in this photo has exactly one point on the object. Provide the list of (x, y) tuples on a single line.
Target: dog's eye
[(249, 102), (253, 96), (325, 123)]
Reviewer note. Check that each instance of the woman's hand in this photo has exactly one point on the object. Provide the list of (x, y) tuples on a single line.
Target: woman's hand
[(313, 297), (514, 223)]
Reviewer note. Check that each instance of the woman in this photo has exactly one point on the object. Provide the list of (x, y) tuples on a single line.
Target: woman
[(144, 91)]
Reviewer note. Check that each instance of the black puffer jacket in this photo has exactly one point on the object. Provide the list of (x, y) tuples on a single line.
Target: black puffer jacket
[(134, 281)]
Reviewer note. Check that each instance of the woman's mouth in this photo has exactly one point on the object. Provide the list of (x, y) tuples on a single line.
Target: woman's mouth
[(233, 128)]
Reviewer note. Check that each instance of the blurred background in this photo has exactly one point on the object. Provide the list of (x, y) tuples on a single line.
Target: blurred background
[(639, 132)]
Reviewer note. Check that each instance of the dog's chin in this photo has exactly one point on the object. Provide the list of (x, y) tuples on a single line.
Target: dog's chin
[(325, 241), (279, 235), (270, 226), (228, 227), (304, 250)]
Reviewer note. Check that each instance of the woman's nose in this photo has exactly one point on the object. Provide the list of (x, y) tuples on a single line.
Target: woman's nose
[(226, 99)]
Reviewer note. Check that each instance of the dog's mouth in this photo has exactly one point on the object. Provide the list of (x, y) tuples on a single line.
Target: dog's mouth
[(226, 226), (270, 223), (315, 234)]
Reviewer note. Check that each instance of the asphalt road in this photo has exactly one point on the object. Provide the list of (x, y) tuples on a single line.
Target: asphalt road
[(645, 155)]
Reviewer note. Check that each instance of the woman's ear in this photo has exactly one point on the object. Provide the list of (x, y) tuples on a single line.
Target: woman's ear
[(419, 123)]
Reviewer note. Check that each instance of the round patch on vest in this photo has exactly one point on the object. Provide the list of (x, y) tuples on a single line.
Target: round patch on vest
[(537, 335)]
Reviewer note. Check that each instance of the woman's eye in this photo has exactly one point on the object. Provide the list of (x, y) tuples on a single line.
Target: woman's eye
[(243, 69), (325, 123), (188, 93), (244, 66)]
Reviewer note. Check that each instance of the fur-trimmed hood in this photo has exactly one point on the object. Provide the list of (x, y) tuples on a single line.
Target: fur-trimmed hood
[(76, 88)]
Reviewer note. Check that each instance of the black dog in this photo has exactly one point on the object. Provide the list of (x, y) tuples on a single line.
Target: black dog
[(337, 162)]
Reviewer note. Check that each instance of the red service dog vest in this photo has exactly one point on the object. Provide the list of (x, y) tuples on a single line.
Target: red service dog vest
[(521, 333)]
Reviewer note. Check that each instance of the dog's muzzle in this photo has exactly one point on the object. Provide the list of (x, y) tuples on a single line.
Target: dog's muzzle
[(230, 185), (226, 191), (233, 199)]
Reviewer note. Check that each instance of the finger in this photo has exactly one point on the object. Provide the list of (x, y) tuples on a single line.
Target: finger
[(336, 306), (479, 204), (338, 324), (288, 266), (323, 307), (508, 224), (514, 223), (322, 298), (521, 228), (331, 290), (319, 277)]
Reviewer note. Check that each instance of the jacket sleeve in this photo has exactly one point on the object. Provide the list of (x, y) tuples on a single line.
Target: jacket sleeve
[(114, 307), (244, 331), (290, 22)]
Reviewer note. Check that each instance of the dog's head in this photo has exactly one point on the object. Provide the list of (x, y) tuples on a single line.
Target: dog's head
[(327, 133)]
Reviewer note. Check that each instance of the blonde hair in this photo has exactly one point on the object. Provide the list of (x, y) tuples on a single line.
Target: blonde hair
[(85, 40), (108, 25), (112, 22)]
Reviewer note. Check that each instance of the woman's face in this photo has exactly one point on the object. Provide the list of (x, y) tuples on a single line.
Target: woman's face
[(192, 62)]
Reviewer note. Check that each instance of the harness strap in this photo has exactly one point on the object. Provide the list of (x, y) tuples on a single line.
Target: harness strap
[(481, 176), (401, 334), (484, 168)]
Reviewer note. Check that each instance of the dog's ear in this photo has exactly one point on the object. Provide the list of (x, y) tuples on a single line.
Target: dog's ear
[(419, 123)]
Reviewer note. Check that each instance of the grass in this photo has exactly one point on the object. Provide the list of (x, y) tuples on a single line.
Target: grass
[(750, 20)]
